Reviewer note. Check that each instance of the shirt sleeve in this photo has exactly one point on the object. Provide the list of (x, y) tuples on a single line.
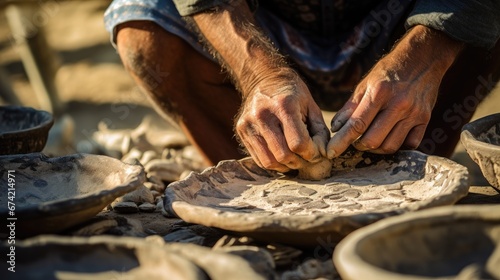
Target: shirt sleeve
[(475, 22), (191, 7)]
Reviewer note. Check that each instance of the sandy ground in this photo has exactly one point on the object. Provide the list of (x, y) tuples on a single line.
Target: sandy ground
[(92, 82)]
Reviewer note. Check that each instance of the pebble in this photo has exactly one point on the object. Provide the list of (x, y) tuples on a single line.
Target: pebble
[(148, 156), (125, 207), (140, 195), (159, 205), (132, 156), (155, 180), (147, 207), (184, 236), (155, 187), (165, 170), (155, 194)]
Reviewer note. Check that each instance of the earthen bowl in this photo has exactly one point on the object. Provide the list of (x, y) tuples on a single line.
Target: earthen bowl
[(23, 129), (111, 257), (240, 197), (451, 242), (481, 139), (52, 194)]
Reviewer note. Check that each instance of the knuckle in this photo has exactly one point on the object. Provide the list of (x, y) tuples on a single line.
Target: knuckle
[(358, 126), (403, 104), (297, 146), (381, 87), (242, 126)]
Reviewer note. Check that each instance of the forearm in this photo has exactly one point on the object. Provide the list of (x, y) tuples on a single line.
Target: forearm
[(245, 52), (428, 48)]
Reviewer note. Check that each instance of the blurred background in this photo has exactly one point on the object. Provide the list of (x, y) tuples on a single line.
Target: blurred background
[(57, 56)]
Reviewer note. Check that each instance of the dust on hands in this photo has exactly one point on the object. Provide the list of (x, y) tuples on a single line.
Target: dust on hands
[(280, 124), (392, 105)]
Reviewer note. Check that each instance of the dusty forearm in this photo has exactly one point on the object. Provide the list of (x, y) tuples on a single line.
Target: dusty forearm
[(245, 51), (428, 48)]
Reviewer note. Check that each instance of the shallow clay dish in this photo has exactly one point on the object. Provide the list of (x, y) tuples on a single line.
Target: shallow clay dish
[(23, 129), (239, 196), (481, 139), (454, 242), (52, 194), (111, 257)]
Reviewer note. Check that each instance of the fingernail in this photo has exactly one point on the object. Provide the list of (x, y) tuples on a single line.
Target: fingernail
[(331, 154), (360, 147), (335, 126)]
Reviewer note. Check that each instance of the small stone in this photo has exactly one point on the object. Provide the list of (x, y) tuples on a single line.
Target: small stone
[(184, 236), (159, 199), (147, 207), (155, 194), (132, 156), (159, 205), (140, 195), (155, 180), (166, 170), (168, 154), (155, 187), (125, 207), (306, 191), (148, 156)]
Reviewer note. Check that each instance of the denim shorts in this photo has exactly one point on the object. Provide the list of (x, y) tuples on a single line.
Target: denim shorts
[(330, 68)]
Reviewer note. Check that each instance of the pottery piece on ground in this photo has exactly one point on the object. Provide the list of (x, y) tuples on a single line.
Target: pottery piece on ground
[(99, 258), (241, 197), (120, 226), (147, 207), (52, 194), (481, 139), (459, 242), (166, 170), (221, 265), (23, 129), (282, 255), (111, 257), (125, 207), (312, 269), (184, 236)]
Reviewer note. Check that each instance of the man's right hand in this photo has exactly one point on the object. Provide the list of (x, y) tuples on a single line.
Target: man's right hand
[(279, 123)]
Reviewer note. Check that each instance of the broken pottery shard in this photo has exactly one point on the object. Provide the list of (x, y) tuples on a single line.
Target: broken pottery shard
[(155, 187), (147, 207), (125, 207), (140, 195), (316, 171)]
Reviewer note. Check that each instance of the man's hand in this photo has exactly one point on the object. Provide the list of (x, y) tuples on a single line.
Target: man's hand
[(279, 123), (392, 105)]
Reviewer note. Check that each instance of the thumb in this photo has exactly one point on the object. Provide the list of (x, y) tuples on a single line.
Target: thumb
[(318, 130)]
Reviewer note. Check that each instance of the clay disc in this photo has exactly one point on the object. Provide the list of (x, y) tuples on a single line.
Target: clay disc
[(238, 196)]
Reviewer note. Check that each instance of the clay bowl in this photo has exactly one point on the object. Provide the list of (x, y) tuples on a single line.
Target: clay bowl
[(23, 129), (481, 139), (52, 194), (453, 242), (111, 257), (240, 197)]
